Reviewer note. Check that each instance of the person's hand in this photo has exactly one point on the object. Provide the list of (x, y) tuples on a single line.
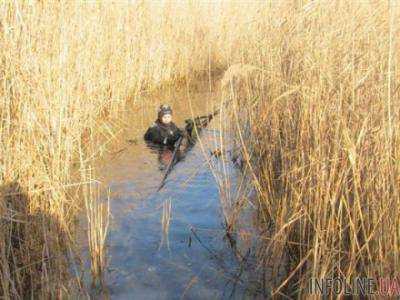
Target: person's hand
[(178, 134)]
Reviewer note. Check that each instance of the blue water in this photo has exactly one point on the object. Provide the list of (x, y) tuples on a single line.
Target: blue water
[(193, 259)]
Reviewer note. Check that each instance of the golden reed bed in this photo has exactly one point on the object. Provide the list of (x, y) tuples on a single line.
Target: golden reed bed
[(323, 116)]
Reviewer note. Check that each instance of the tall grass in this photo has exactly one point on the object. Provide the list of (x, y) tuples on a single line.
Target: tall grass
[(67, 68), (323, 127), (321, 139)]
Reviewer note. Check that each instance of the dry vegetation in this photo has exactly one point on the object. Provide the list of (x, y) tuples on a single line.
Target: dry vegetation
[(321, 128), (322, 139)]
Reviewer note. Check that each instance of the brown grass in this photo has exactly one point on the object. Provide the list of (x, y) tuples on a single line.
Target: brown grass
[(321, 130), (323, 143)]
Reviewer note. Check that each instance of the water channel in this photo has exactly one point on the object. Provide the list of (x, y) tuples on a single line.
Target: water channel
[(172, 244)]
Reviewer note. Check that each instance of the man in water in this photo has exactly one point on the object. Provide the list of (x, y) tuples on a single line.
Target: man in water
[(163, 135), (163, 131)]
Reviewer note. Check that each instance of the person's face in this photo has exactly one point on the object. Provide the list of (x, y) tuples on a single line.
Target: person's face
[(166, 119)]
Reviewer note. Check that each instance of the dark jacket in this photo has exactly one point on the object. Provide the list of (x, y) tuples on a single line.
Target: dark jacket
[(160, 133)]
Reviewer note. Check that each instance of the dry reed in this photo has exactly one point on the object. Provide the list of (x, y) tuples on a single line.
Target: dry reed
[(320, 131), (320, 137)]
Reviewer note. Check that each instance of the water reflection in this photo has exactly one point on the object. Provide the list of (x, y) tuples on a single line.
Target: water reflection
[(164, 154), (197, 262), (191, 259)]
